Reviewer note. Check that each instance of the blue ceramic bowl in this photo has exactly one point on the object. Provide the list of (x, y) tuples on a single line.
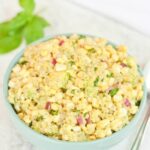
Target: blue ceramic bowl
[(45, 143)]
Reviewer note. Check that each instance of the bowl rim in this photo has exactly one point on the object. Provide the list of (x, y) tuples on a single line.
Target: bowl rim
[(15, 117)]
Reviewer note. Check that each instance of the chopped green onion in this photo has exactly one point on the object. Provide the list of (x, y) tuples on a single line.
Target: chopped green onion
[(63, 90), (30, 124), (110, 75), (53, 112), (23, 62), (82, 36), (77, 111), (91, 50), (102, 80), (96, 81), (39, 118), (68, 76), (113, 92), (85, 114), (95, 68), (138, 103), (71, 62), (73, 91)]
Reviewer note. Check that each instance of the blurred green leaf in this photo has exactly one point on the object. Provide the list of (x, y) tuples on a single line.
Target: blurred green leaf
[(20, 20), (35, 29), (27, 5), (15, 23), (41, 21), (24, 24), (113, 92), (4, 29), (8, 43)]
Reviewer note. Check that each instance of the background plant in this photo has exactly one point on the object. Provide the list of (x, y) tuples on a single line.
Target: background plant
[(25, 25)]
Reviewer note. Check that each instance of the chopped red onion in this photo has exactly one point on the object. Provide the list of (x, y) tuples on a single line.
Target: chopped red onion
[(61, 42), (123, 65), (127, 103), (79, 120), (54, 61), (48, 105), (88, 120)]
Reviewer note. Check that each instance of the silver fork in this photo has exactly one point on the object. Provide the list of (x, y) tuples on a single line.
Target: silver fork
[(137, 142)]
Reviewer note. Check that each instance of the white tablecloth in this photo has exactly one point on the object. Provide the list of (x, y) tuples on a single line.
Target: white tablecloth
[(66, 17), (134, 13)]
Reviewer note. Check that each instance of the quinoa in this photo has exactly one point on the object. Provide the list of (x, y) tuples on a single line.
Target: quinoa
[(76, 88)]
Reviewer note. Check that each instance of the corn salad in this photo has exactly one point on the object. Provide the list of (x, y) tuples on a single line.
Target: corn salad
[(76, 88)]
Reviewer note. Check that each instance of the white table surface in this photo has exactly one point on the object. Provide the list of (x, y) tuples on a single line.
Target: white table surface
[(69, 18), (134, 13)]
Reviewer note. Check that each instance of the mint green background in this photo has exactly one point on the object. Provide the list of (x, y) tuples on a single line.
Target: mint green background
[(45, 143)]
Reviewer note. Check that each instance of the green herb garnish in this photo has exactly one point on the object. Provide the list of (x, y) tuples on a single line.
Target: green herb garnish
[(30, 124), (73, 91), (113, 92), (110, 75), (53, 112), (85, 114), (71, 62), (63, 90), (69, 76), (23, 62), (52, 134), (138, 103), (25, 25), (102, 80), (82, 36), (77, 111), (95, 68), (91, 50), (111, 44), (96, 81), (39, 118)]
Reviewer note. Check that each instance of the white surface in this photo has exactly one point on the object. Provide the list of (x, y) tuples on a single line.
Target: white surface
[(135, 13), (66, 17), (147, 75)]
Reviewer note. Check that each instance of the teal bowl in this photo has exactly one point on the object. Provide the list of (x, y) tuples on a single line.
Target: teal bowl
[(45, 143)]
